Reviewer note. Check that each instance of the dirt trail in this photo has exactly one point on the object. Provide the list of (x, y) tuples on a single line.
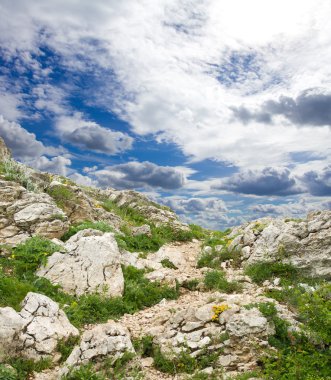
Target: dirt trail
[(150, 321)]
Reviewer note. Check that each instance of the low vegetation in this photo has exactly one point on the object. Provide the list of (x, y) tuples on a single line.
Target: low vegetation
[(73, 229), (173, 364), (216, 280), (17, 278), (61, 194), (261, 271), (159, 236), (13, 171), (301, 355)]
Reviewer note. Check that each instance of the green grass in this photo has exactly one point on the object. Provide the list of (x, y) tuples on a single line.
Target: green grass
[(166, 263), (25, 367), (214, 259), (73, 229), (138, 294), (262, 271), (61, 194), (17, 278), (159, 236), (216, 280), (65, 346), (129, 214), (305, 355), (190, 284), (85, 372), (7, 373)]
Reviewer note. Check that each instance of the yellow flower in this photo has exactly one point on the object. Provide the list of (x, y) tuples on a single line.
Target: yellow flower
[(218, 309)]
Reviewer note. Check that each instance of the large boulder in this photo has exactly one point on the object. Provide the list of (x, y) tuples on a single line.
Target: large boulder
[(306, 244), (89, 263), (25, 213), (36, 330), (109, 340)]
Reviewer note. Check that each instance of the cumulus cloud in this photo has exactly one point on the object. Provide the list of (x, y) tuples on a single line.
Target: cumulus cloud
[(174, 73), (269, 181), (309, 108), (89, 135), (83, 180), (23, 144), (318, 182), (209, 212), (138, 175), (57, 165)]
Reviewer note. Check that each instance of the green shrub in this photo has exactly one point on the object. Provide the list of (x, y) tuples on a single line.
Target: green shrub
[(28, 256), (61, 194), (73, 229), (13, 171), (262, 271), (315, 312), (183, 362), (159, 236), (144, 346), (139, 293), (214, 259), (304, 356), (129, 214), (7, 373), (216, 280), (166, 263), (85, 372), (65, 346), (25, 367), (191, 284)]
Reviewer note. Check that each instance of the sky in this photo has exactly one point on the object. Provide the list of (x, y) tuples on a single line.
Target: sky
[(219, 109)]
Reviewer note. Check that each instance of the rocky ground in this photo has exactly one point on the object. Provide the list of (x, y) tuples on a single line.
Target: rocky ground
[(105, 284)]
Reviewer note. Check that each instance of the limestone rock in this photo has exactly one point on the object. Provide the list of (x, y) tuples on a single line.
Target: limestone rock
[(249, 322), (26, 213), (91, 263), (35, 331), (105, 340), (305, 244), (141, 230)]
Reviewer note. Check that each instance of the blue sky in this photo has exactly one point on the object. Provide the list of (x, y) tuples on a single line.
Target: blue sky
[(221, 110)]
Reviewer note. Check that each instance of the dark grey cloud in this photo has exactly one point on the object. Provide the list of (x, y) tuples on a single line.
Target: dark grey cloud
[(139, 174), (99, 139), (309, 108), (318, 183), (23, 144), (269, 181)]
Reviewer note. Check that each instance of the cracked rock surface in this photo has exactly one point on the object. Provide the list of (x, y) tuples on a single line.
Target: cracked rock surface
[(305, 244), (89, 263), (105, 340), (35, 331), (24, 214)]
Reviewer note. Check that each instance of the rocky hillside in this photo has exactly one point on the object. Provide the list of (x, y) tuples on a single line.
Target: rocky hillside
[(105, 284)]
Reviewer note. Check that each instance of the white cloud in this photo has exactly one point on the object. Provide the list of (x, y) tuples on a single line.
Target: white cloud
[(89, 135), (23, 144), (57, 164), (174, 69)]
